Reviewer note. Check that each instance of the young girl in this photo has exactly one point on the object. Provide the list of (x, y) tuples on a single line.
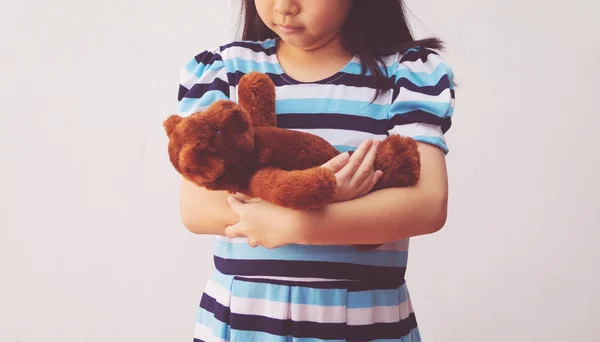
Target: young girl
[(350, 72)]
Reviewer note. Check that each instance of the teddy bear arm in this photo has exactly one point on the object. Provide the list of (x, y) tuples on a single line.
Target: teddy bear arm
[(399, 159), (302, 189)]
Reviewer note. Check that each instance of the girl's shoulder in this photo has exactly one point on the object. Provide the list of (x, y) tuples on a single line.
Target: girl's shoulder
[(417, 62), (210, 74), (235, 57), (248, 48), (240, 49)]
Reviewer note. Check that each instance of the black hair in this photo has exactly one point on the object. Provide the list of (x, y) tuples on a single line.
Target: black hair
[(373, 29)]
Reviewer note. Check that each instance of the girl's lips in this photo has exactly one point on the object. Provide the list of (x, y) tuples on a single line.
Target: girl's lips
[(288, 29)]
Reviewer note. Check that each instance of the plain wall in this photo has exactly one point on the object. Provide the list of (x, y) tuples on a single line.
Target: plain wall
[(91, 245)]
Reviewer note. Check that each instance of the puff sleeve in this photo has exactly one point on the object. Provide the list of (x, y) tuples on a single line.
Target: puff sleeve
[(423, 98), (203, 80)]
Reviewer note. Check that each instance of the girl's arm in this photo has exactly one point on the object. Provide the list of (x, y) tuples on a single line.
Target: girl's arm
[(385, 215), (203, 80), (204, 211)]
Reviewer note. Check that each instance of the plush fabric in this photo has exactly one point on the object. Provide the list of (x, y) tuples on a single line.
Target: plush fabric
[(237, 147)]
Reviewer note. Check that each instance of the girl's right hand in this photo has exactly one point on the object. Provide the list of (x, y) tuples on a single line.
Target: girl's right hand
[(356, 176)]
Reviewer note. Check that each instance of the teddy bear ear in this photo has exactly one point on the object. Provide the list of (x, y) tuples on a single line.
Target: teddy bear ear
[(256, 94), (236, 120), (171, 123)]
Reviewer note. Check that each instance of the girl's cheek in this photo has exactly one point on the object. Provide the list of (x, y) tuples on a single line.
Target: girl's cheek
[(263, 12)]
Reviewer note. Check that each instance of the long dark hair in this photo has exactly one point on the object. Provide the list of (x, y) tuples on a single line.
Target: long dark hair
[(373, 30)]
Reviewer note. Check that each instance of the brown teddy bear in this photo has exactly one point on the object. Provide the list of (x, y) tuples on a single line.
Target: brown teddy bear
[(239, 148)]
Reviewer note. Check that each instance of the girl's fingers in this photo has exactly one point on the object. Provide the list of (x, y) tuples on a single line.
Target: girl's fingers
[(240, 197), (376, 178), (233, 231), (252, 242), (365, 171), (370, 183), (337, 163), (354, 162), (236, 205)]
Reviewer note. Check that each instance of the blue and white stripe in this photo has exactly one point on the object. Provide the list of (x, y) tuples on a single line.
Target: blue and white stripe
[(423, 93), (232, 307), (317, 293)]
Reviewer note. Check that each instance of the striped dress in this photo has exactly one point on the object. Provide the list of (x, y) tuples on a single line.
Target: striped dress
[(318, 293)]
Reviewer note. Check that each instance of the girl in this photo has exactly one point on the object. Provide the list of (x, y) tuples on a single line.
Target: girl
[(350, 72)]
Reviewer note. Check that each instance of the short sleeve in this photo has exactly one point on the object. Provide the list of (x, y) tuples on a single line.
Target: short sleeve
[(203, 81), (423, 98)]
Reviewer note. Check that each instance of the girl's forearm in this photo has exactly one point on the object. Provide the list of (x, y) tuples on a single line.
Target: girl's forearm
[(203, 211), (383, 216)]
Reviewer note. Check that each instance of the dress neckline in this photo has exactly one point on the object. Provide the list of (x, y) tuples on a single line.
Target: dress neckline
[(275, 60)]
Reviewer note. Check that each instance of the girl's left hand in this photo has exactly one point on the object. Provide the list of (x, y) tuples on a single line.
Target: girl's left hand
[(263, 223)]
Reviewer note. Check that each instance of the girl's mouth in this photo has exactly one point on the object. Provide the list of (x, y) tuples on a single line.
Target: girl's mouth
[(289, 29)]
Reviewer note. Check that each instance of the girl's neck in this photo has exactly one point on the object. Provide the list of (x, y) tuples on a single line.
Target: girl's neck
[(307, 65)]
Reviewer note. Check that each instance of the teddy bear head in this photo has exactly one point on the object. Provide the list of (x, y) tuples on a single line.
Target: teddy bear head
[(217, 143), (215, 148)]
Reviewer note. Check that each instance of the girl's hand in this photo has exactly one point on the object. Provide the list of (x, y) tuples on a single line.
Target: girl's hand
[(245, 199), (263, 223), (355, 176)]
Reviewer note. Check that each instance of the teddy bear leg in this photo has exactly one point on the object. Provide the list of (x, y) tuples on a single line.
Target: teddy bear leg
[(256, 94), (300, 189), (399, 159)]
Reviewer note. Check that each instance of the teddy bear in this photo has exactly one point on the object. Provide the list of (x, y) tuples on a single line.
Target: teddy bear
[(237, 147)]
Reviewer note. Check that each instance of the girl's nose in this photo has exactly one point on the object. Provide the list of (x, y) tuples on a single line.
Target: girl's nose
[(286, 7)]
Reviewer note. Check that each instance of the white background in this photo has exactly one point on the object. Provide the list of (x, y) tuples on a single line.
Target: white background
[(91, 246)]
